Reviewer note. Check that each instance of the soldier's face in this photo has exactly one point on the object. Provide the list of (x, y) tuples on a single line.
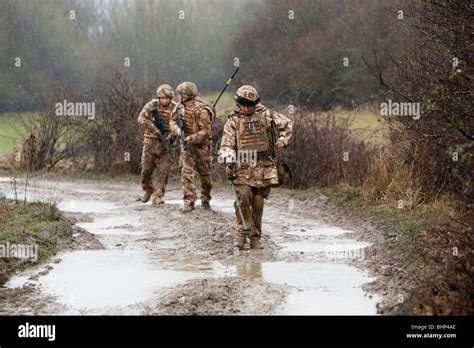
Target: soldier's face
[(184, 98), (165, 101), (247, 109)]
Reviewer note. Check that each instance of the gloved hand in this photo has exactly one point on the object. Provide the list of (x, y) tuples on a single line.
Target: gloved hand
[(230, 171), (279, 145)]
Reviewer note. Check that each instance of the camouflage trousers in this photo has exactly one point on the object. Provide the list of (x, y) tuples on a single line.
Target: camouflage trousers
[(154, 155), (196, 159), (251, 200)]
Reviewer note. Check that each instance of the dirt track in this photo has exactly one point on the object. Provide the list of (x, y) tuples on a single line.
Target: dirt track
[(155, 260)]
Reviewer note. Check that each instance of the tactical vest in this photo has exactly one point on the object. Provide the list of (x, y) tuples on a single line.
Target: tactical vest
[(190, 116), (165, 114), (252, 132), (189, 119)]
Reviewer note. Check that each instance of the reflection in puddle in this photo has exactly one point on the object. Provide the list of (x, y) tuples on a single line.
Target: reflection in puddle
[(250, 270)]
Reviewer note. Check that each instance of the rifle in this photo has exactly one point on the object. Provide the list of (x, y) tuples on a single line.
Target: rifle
[(158, 122), (273, 139), (180, 122)]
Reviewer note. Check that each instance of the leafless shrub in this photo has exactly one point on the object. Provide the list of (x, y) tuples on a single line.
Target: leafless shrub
[(323, 152), (113, 140), (48, 140), (433, 65)]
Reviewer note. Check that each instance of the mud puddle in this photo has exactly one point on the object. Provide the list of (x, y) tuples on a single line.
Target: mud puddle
[(101, 279), (113, 225), (155, 251), (319, 280)]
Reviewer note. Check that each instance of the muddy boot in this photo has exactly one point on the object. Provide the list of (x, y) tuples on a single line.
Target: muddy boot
[(157, 200), (187, 208), (255, 243), (146, 196), (239, 240), (206, 206)]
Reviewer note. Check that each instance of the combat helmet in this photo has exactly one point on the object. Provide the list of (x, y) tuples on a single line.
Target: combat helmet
[(188, 89), (165, 91), (247, 95)]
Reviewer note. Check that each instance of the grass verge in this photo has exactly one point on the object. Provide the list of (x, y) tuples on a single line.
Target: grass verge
[(40, 227)]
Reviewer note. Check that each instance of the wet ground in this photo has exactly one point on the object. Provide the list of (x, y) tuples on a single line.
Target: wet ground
[(156, 260)]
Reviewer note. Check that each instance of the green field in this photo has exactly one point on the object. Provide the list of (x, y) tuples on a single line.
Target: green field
[(364, 123), (226, 103), (11, 128)]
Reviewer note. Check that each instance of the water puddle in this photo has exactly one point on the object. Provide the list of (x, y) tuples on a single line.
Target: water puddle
[(315, 288), (107, 278), (316, 246), (84, 206), (223, 205), (311, 230), (123, 225), (217, 204), (96, 279)]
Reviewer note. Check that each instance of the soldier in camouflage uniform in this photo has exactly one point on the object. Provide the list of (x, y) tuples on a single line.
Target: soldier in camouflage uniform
[(197, 120), (154, 153), (248, 128)]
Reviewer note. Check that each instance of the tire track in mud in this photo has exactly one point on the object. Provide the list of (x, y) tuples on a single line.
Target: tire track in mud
[(158, 261)]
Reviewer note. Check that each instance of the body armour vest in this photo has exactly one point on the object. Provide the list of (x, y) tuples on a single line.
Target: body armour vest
[(252, 132)]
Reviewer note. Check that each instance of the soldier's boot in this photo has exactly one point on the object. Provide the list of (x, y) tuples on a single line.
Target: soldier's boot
[(206, 187), (156, 200), (255, 243), (187, 208), (146, 196), (239, 240)]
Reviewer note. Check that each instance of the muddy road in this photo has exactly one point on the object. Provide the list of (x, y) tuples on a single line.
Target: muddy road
[(155, 260)]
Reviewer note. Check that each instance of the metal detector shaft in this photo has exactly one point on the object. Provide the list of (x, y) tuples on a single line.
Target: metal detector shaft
[(245, 229), (229, 81)]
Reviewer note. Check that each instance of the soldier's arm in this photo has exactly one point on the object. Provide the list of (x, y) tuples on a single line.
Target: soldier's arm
[(205, 128), (146, 118), (284, 126), (174, 128), (228, 147)]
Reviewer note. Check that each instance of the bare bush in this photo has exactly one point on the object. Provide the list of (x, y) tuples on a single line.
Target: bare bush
[(48, 140), (433, 66), (113, 140), (323, 152)]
